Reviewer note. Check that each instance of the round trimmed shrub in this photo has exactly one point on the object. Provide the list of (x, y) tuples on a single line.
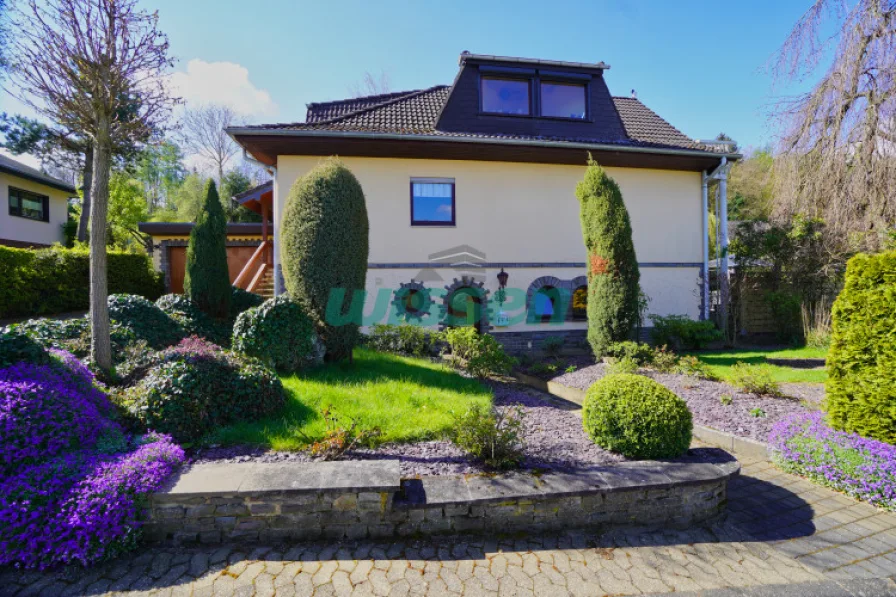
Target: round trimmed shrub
[(278, 332), (637, 417), (192, 320), (242, 300), (323, 249), (197, 387), (145, 319)]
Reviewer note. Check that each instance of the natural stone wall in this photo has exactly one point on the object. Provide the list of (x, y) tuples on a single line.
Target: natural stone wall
[(295, 501)]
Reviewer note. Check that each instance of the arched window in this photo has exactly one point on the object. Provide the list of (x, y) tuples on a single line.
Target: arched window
[(546, 305), (578, 310)]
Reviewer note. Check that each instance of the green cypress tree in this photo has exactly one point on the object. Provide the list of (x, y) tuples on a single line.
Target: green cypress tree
[(324, 248), (613, 275), (207, 279)]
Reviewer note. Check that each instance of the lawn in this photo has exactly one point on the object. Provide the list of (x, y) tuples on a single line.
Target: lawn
[(721, 362), (408, 399)]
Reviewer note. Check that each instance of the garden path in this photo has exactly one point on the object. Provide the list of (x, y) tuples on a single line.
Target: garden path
[(782, 536)]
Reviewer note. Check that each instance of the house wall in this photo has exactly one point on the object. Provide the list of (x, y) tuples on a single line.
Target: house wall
[(23, 230), (525, 218)]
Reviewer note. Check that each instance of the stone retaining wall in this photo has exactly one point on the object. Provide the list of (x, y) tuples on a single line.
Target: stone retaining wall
[(250, 502)]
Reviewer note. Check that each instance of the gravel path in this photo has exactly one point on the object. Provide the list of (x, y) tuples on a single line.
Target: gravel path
[(553, 435), (703, 396)]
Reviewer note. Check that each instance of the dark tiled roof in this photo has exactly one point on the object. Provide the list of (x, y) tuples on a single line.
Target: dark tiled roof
[(19, 169), (416, 112)]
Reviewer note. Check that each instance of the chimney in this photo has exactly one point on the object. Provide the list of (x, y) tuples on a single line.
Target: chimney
[(634, 94)]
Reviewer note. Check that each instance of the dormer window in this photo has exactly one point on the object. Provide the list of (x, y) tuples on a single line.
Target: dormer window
[(505, 96), (563, 100)]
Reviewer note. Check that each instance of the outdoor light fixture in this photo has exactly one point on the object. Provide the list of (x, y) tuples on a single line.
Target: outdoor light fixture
[(501, 319)]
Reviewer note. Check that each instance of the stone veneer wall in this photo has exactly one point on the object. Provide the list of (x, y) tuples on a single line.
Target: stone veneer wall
[(449, 504)]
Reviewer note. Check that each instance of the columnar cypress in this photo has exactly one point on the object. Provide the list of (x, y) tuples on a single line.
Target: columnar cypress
[(323, 250), (207, 279), (613, 275)]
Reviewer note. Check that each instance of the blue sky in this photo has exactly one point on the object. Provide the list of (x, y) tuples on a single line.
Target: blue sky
[(698, 64)]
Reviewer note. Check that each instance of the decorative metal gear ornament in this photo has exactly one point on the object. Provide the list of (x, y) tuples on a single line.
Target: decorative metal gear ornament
[(412, 301)]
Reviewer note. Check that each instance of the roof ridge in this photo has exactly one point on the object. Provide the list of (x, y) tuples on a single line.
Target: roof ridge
[(391, 102), (389, 95)]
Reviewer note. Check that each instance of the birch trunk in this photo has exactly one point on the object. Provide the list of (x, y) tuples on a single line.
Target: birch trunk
[(87, 188), (100, 342)]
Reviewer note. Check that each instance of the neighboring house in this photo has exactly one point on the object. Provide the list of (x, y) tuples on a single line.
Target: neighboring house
[(467, 180), (34, 206)]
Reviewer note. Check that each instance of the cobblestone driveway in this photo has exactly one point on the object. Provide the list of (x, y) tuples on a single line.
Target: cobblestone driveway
[(783, 535)]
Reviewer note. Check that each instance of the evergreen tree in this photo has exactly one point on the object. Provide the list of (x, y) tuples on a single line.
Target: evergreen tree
[(324, 248), (613, 275), (207, 280)]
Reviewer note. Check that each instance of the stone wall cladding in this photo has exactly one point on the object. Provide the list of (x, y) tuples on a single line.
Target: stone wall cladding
[(519, 342), (433, 505)]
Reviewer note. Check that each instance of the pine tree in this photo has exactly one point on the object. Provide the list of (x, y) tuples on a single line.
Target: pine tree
[(324, 248), (207, 279), (613, 275)]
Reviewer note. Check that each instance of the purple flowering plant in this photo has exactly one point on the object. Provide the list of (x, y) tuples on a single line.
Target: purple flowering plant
[(863, 468), (69, 493)]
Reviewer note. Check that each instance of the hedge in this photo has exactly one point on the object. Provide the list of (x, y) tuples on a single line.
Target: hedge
[(861, 386), (56, 280)]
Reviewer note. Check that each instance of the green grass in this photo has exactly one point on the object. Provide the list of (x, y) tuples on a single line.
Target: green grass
[(408, 399), (720, 362)]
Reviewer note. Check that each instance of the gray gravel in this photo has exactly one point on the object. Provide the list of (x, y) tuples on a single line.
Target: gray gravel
[(703, 396), (553, 436)]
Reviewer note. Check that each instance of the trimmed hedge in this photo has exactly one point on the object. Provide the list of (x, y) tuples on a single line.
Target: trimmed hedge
[(323, 250), (637, 417), (278, 332), (861, 386), (56, 280)]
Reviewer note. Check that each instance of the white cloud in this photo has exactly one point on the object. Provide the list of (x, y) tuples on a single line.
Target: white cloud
[(222, 83)]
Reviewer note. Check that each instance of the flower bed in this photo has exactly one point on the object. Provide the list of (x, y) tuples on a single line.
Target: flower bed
[(72, 483), (862, 468)]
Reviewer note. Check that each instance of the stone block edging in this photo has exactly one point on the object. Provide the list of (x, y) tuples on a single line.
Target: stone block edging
[(212, 503), (739, 446)]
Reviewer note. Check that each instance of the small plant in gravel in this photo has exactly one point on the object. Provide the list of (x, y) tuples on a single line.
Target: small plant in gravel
[(637, 417), (571, 369), (726, 399), (694, 367), (339, 439), (664, 360), (757, 413), (494, 436), (754, 379), (862, 468)]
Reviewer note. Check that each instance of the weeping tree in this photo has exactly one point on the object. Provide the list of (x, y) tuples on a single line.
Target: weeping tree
[(613, 275), (82, 64), (207, 279), (837, 161)]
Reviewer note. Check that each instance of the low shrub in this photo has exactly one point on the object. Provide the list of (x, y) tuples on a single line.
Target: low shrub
[(754, 379), (483, 355), (623, 365), (694, 367), (407, 339), (493, 436), (862, 468), (278, 332), (664, 360), (640, 353), (636, 417), (193, 321), (682, 333), (197, 386), (73, 335), (552, 346), (145, 319), (56, 280), (861, 386)]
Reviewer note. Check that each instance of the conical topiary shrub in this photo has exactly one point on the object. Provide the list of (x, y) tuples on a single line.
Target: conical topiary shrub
[(207, 279), (613, 275), (323, 250)]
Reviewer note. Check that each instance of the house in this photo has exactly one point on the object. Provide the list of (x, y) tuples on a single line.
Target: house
[(35, 205), (467, 181)]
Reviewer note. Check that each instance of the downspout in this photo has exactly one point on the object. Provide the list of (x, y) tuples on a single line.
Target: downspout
[(704, 187), (272, 170), (724, 280)]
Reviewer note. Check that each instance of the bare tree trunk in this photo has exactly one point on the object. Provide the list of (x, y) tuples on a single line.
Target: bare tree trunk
[(87, 187), (100, 342)]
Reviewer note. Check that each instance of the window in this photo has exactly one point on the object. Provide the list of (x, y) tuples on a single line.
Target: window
[(563, 100), (505, 96), (432, 202), (545, 303), (26, 204), (579, 310)]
